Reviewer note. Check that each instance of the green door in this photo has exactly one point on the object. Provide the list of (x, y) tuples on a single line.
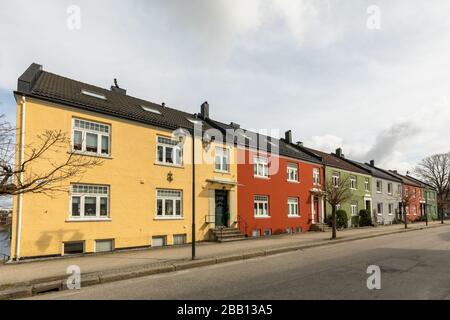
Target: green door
[(221, 208)]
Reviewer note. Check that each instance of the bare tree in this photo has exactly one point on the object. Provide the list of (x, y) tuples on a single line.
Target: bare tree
[(435, 170), (48, 165), (336, 192), (406, 201)]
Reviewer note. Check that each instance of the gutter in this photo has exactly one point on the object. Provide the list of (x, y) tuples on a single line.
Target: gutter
[(20, 204)]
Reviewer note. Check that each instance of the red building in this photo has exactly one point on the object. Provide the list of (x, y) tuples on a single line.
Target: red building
[(412, 197), (279, 191)]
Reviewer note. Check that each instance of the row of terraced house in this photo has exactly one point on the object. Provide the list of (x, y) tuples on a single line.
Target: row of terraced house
[(160, 165)]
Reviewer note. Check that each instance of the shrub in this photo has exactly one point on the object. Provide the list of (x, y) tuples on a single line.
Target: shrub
[(364, 218), (341, 219), (355, 221)]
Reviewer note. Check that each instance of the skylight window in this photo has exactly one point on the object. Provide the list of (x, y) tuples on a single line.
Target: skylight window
[(194, 121), (148, 109), (93, 94)]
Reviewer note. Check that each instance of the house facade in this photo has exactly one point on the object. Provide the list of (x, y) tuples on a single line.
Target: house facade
[(337, 167), (142, 193), (386, 193), (428, 199), (279, 192), (412, 199)]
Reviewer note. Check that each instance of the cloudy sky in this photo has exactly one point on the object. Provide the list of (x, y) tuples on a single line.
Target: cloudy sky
[(311, 66)]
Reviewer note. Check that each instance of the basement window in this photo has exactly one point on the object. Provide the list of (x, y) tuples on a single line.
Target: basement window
[(159, 241), (179, 239), (152, 110), (104, 245), (73, 247), (93, 94)]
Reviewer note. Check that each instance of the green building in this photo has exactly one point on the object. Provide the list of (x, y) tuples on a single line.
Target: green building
[(336, 167)]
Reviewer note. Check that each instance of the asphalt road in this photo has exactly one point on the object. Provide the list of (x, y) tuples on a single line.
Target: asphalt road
[(414, 265)]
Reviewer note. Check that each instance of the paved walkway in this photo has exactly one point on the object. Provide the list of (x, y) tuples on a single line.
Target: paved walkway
[(28, 271)]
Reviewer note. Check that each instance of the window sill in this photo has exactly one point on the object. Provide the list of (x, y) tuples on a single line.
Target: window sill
[(89, 220), (293, 217), (168, 218), (267, 217), (293, 181), (90, 154), (222, 172), (162, 164), (261, 177)]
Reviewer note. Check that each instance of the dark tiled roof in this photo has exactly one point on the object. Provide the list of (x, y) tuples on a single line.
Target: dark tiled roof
[(376, 172), (405, 179), (67, 91), (424, 184), (334, 161), (279, 146)]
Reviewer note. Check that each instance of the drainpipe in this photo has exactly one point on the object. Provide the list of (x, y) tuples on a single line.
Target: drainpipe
[(20, 205), (193, 196)]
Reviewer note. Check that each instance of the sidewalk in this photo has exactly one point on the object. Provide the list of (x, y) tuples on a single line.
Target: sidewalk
[(30, 272)]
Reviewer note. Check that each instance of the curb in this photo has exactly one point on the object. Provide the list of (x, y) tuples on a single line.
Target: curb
[(40, 286)]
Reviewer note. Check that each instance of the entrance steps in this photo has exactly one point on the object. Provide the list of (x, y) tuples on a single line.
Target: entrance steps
[(321, 227), (227, 234)]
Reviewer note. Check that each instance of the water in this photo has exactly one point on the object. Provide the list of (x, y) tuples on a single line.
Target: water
[(5, 243)]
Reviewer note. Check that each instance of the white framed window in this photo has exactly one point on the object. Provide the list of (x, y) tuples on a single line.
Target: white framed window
[(261, 167), (316, 176), (293, 207), (391, 209), (91, 137), (406, 191), (389, 188), (89, 202), (338, 207), (415, 210), (292, 172), (354, 209), (366, 184), (168, 151), (399, 189), (261, 206), (169, 204), (222, 159), (414, 192), (407, 210), (353, 182), (379, 208), (335, 178), (379, 186)]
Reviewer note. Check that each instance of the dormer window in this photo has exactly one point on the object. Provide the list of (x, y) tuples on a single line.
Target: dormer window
[(149, 109), (93, 94)]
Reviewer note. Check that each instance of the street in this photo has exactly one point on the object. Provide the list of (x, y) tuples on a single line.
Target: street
[(414, 265)]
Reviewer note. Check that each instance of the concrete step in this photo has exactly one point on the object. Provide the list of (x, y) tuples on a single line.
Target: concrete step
[(228, 234)]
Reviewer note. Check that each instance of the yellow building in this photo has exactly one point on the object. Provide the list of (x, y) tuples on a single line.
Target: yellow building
[(142, 193)]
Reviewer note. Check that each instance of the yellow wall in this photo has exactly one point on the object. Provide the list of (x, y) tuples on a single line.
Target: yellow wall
[(133, 178)]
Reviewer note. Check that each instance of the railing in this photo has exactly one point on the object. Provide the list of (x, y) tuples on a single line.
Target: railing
[(242, 220)]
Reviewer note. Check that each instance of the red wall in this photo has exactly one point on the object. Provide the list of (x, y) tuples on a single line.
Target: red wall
[(414, 202), (278, 189)]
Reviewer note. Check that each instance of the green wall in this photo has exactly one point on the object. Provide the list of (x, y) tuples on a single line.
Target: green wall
[(358, 195)]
